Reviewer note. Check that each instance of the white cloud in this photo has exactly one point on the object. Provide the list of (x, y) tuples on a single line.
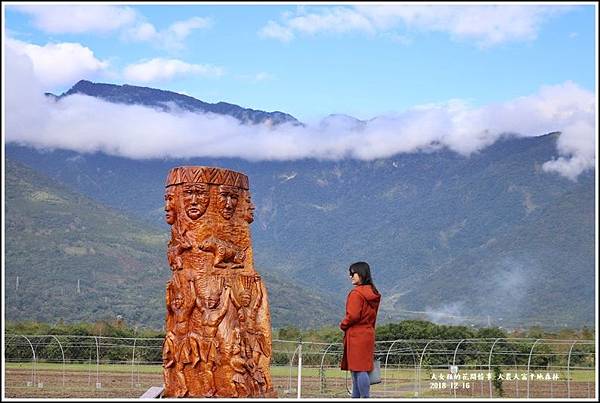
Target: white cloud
[(87, 124), (76, 19), (171, 38), (57, 64), (578, 153), (486, 25), (165, 69), (274, 30), (26, 108), (181, 29), (144, 31), (338, 19)]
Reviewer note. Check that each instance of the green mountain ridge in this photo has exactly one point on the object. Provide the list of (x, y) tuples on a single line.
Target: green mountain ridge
[(451, 238), (70, 258)]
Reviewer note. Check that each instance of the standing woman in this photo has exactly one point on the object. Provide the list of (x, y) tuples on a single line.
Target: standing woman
[(359, 328)]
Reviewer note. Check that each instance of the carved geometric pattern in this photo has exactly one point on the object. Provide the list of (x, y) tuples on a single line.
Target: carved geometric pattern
[(210, 175)]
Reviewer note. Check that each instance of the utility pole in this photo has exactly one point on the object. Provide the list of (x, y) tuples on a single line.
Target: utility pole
[(78, 289), (17, 288), (489, 321)]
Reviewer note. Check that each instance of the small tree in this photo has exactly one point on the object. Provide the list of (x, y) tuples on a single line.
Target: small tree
[(497, 381)]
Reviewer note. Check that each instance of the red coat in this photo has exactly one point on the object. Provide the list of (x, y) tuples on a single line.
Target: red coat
[(359, 329)]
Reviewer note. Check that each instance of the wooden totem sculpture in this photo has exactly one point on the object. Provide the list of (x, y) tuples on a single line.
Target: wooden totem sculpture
[(218, 326)]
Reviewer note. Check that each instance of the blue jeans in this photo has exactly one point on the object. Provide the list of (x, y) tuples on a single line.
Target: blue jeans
[(360, 384)]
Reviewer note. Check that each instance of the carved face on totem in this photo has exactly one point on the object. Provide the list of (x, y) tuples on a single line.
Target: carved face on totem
[(213, 299), (249, 211), (195, 199), (178, 302), (228, 200), (170, 205)]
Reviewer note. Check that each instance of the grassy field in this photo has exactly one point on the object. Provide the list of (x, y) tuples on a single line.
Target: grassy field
[(391, 373), (53, 380)]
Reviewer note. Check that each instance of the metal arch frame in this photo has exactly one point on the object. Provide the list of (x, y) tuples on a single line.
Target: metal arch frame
[(386, 362), (456, 350), (34, 360), (321, 371), (569, 370), (386, 365), (299, 394), (548, 370), (446, 355), (97, 362), (517, 371), (63, 357), (41, 337), (529, 364), (133, 361), (454, 358), (421, 362), (110, 342), (291, 364), (490, 364)]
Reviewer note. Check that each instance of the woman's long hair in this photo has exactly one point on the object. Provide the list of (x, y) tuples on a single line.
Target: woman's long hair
[(364, 272)]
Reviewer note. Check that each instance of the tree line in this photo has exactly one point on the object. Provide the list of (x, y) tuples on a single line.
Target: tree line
[(510, 349)]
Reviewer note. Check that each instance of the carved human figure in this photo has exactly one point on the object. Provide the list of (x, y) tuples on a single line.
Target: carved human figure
[(248, 214), (259, 379), (178, 243), (228, 200), (253, 341), (196, 198), (256, 339), (176, 349), (211, 316), (243, 308), (241, 367)]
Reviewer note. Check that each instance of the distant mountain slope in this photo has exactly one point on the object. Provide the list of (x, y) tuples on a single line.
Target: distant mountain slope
[(69, 257), (56, 238), (166, 100), (543, 268), (441, 231), (460, 238)]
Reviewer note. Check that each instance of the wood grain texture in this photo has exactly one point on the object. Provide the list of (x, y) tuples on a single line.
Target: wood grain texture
[(218, 340)]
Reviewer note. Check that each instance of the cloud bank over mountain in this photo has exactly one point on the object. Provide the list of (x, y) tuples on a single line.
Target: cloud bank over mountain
[(87, 124)]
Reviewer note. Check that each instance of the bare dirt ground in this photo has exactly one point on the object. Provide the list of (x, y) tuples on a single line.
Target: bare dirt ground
[(80, 384)]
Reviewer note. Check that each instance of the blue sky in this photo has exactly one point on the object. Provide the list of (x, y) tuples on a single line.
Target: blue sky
[(414, 66), (359, 72)]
